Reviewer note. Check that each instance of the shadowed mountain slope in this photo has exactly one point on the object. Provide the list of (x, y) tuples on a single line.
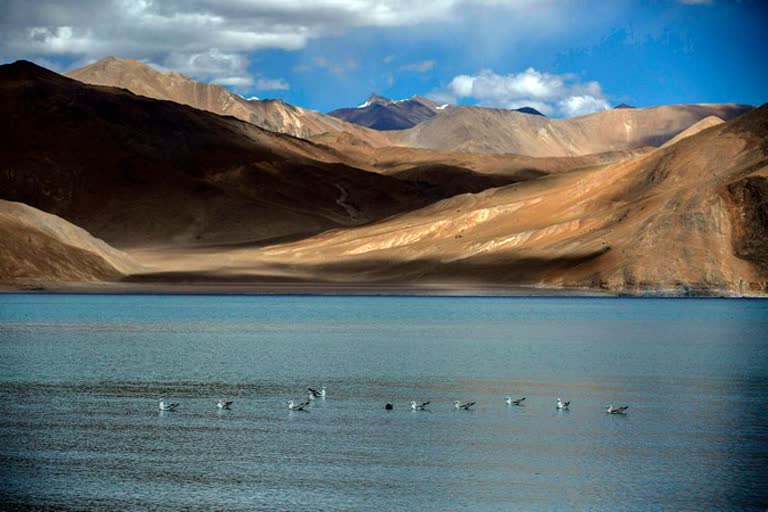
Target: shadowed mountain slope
[(137, 171)]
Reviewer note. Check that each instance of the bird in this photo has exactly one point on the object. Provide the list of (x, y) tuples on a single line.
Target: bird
[(419, 407), (297, 407), (322, 392), (314, 393), (224, 405), (519, 401), (617, 410), (167, 407), (465, 406), (389, 407), (563, 405)]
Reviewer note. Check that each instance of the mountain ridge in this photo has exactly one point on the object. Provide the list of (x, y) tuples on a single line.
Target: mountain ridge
[(485, 130), (274, 115)]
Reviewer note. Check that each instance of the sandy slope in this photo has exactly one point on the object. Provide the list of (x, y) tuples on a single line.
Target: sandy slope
[(486, 130), (707, 122), (36, 246), (692, 216)]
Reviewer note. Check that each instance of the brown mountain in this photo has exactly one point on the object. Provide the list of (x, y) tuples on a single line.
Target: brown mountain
[(705, 123), (136, 171), (691, 217), (36, 246), (274, 115), (195, 196), (485, 130)]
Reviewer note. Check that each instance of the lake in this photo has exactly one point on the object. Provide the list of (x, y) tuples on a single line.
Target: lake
[(81, 376)]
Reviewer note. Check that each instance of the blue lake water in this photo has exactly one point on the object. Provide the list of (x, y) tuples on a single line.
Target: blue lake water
[(80, 377)]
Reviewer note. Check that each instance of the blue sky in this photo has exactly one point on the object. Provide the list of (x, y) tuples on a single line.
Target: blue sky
[(563, 57)]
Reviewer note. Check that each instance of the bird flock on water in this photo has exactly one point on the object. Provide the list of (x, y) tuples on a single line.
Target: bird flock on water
[(312, 394)]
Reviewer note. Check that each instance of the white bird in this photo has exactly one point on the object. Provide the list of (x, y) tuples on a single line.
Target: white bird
[(297, 407), (224, 405), (419, 407), (563, 405), (617, 410), (465, 406), (322, 392), (167, 407), (519, 401)]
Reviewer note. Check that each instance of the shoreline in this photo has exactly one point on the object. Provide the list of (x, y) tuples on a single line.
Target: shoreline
[(308, 288)]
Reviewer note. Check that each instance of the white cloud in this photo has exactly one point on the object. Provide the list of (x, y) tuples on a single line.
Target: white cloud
[(419, 67), (271, 84), (581, 105), (337, 67), (548, 93), (238, 82), (208, 39), (210, 65)]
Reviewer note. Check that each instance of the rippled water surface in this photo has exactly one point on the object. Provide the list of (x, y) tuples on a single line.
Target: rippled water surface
[(80, 429)]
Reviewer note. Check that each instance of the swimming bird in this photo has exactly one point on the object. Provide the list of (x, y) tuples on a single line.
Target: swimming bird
[(617, 410), (465, 406), (419, 407), (297, 407), (314, 393), (322, 392), (224, 405), (164, 406), (563, 405), (519, 401)]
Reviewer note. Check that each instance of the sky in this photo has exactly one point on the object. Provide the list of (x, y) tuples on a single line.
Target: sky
[(563, 57)]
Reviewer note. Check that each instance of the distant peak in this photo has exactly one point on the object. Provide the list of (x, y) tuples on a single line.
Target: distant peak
[(116, 60), (374, 99), (531, 111), (25, 70), (623, 105)]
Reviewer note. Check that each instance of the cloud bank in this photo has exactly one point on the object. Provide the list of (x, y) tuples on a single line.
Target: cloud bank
[(208, 39), (550, 94)]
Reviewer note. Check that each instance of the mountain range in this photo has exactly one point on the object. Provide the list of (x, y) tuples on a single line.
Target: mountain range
[(382, 113), (118, 173), (274, 115)]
